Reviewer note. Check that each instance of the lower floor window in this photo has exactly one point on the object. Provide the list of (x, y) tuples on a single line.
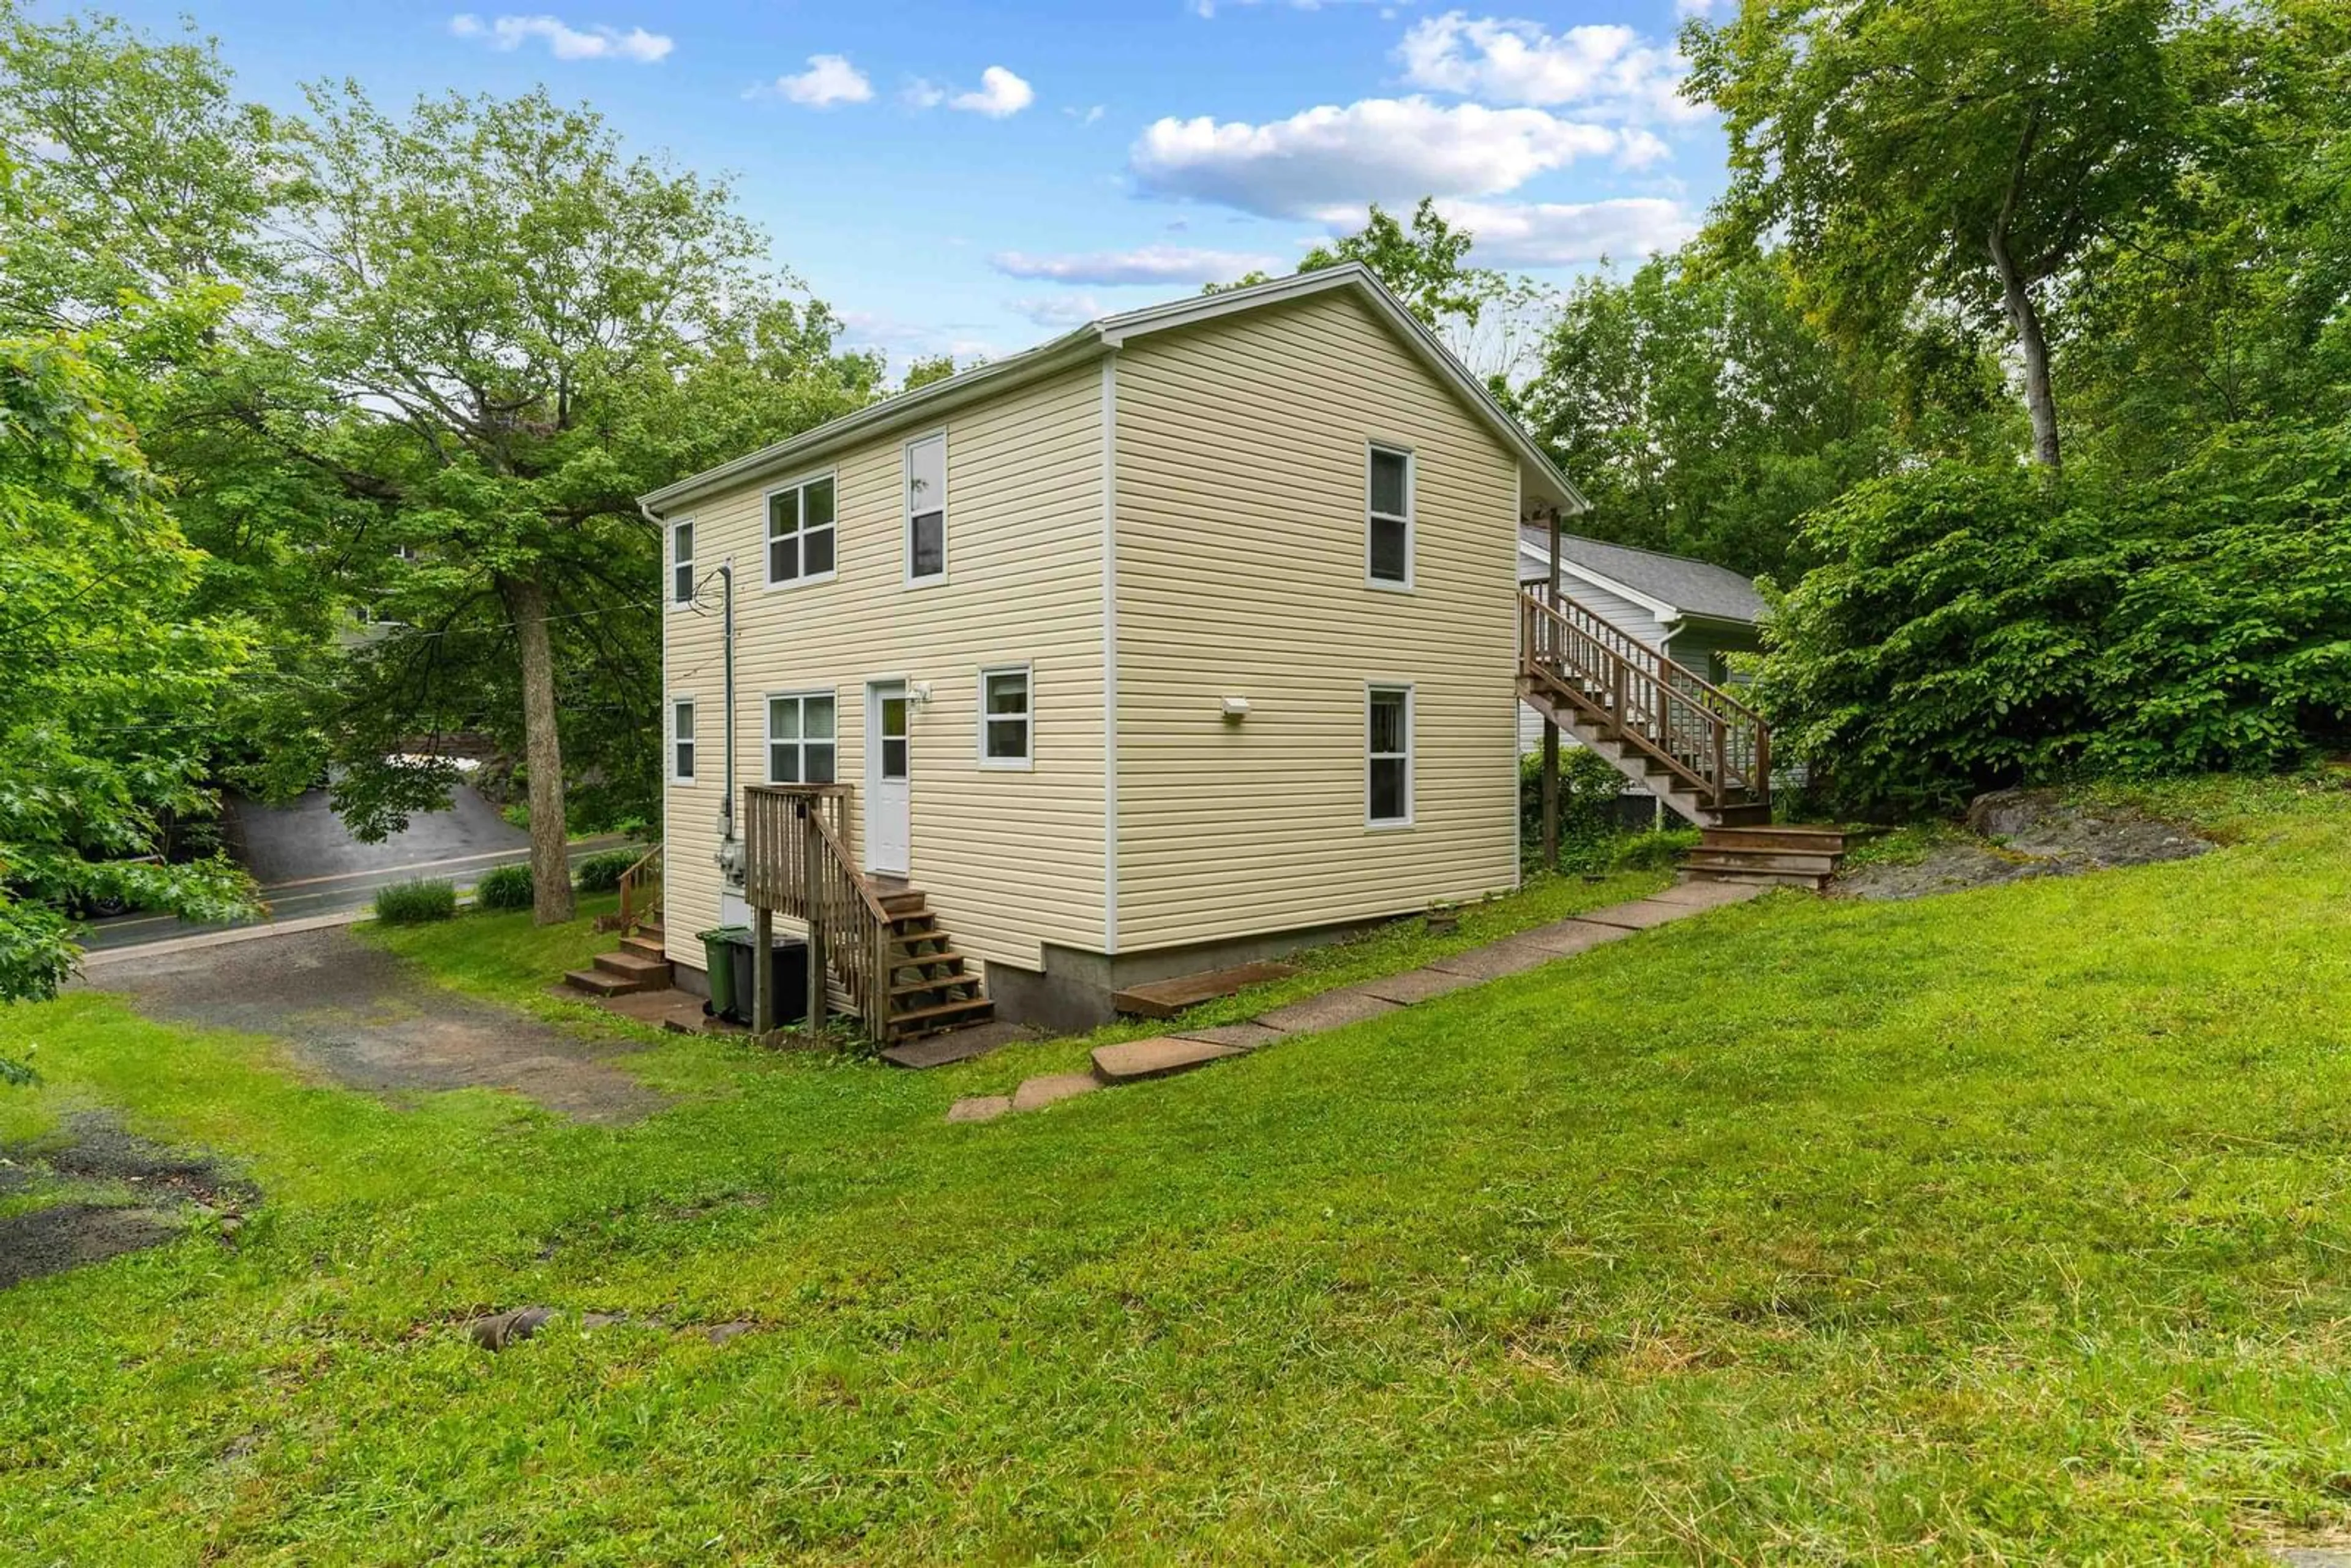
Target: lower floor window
[(1004, 718), (1388, 756), (801, 739)]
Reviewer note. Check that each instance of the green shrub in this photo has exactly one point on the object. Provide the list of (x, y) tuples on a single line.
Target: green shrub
[(416, 902), (505, 888), (1589, 786), (17, 1074), (1974, 629), (601, 872), (1657, 850)]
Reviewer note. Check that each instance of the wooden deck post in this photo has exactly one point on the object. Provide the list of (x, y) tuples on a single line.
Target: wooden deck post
[(763, 976), (1551, 735), (814, 854)]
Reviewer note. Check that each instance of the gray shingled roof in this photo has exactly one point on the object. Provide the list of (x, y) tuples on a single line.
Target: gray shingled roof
[(1692, 587)]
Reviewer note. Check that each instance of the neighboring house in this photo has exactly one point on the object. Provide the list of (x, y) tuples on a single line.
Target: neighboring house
[(1694, 612), (1188, 637)]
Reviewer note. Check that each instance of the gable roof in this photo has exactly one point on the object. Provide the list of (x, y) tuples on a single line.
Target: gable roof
[(1671, 586), (1541, 482)]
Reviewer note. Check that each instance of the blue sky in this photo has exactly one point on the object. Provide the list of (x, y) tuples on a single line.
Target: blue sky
[(974, 179)]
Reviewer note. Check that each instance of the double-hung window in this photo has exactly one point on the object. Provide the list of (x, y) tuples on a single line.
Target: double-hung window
[(801, 532), (926, 509), (1005, 719), (1387, 750), (680, 562), (1388, 518), (801, 739), (681, 741)]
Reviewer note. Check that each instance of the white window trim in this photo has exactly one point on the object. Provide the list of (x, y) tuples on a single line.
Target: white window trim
[(1411, 743), (906, 513), (768, 701), (669, 553), (766, 555), (1025, 764), (683, 700), (1410, 514)]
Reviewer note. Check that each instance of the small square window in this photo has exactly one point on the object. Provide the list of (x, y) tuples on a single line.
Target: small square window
[(801, 529), (1387, 517), (800, 744), (1005, 718)]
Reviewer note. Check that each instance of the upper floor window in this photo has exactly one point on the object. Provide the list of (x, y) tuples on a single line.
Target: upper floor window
[(1387, 748), (801, 532), (1388, 546), (680, 741), (801, 739), (681, 563), (926, 509)]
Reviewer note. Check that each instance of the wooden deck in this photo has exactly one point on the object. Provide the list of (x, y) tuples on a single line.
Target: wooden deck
[(1166, 999)]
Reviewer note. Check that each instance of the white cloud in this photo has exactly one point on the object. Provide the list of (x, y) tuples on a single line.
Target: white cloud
[(1330, 160), (566, 42), (829, 79), (922, 93), (1609, 71), (1208, 8), (1060, 311), (1085, 116), (1693, 7), (1000, 94), (1146, 264), (1570, 233)]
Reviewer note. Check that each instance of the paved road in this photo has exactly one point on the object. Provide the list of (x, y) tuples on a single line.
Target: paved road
[(304, 840), (330, 894)]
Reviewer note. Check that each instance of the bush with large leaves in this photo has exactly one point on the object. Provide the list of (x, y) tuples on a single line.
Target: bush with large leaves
[(1974, 628)]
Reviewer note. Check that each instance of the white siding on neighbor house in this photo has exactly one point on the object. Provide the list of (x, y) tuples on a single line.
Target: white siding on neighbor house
[(1241, 457), (1009, 859)]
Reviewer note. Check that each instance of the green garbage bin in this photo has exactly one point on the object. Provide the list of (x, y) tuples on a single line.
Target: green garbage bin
[(719, 961)]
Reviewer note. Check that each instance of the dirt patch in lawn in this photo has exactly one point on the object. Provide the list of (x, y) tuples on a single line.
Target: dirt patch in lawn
[(114, 1192), (364, 1018), (2015, 834)]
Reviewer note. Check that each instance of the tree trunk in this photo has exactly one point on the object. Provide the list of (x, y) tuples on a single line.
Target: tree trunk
[(551, 870), (2039, 401)]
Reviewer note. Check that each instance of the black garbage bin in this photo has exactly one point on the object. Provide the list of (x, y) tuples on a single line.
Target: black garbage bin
[(787, 969)]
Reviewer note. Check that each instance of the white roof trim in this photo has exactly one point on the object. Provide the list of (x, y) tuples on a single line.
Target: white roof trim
[(1104, 335), (1648, 601)]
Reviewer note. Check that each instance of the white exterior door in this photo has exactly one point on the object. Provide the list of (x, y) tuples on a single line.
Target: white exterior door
[(889, 833)]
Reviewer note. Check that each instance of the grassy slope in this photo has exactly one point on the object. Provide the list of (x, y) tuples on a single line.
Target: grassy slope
[(2005, 1225)]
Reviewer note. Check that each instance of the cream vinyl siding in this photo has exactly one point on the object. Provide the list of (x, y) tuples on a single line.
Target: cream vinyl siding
[(1009, 859), (1241, 457)]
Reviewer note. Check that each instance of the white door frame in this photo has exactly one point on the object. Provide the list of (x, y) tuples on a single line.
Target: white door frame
[(883, 795)]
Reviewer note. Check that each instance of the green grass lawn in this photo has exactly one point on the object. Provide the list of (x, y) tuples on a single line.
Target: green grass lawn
[(2008, 1226)]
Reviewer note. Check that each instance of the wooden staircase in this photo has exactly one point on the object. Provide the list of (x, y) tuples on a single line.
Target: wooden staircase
[(932, 987), (1780, 854), (1701, 750), (640, 964)]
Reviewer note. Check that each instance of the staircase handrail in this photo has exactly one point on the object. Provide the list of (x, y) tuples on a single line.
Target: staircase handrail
[(645, 873), (1697, 730), (799, 864)]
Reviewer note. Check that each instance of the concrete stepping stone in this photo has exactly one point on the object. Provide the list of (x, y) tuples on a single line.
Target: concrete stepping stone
[(1158, 1057), (1331, 1010), (1640, 914), (957, 1044), (1051, 1088), (1709, 894), (1414, 985), (1512, 956), (979, 1108), (1566, 937), (1240, 1036)]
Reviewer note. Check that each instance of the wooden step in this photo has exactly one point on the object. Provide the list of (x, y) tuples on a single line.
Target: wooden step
[(604, 983), (1704, 859), (1802, 836), (634, 966), (1166, 999), (1754, 814), (939, 983), (945, 1015), (645, 946)]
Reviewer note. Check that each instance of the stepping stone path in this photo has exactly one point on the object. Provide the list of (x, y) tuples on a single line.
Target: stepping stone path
[(1163, 1056)]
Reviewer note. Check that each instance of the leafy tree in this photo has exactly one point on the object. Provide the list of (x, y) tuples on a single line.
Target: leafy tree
[(922, 370), (107, 666), (1964, 153), (1703, 415), (495, 331)]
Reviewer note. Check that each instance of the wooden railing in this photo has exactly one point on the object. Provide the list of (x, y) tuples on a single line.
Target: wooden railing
[(798, 865), (1705, 736), (640, 890)]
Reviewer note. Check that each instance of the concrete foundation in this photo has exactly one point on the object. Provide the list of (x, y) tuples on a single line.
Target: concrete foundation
[(1073, 991)]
